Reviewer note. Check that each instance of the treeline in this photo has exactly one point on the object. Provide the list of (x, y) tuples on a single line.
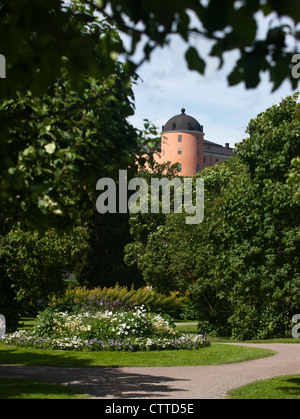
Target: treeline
[(241, 264)]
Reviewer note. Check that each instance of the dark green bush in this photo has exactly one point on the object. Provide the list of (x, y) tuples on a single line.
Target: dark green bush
[(118, 296)]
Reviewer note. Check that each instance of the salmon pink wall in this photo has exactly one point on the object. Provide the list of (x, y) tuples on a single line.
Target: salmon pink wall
[(189, 157)]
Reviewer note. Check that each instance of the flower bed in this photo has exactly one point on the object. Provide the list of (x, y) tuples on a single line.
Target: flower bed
[(25, 339), (104, 329)]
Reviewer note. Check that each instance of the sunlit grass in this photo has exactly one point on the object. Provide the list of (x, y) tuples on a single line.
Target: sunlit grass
[(214, 354), (282, 387)]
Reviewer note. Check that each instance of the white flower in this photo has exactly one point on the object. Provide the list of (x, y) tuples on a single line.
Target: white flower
[(50, 147)]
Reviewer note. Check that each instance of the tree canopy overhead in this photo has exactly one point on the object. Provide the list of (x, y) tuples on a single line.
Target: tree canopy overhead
[(56, 145), (229, 24), (35, 35)]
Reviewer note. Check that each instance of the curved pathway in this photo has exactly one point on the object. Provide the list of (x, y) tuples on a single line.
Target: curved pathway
[(194, 382)]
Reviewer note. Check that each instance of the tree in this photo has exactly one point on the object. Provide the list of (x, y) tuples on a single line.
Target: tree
[(294, 176), (102, 264), (71, 35), (60, 144), (37, 37), (32, 267), (252, 243), (228, 24), (65, 124), (53, 29), (163, 246), (241, 265), (54, 147), (142, 226), (273, 141)]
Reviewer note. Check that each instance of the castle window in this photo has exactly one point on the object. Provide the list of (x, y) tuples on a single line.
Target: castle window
[(163, 152), (173, 126), (179, 151), (204, 159), (198, 152), (198, 168), (198, 140), (179, 138), (179, 167)]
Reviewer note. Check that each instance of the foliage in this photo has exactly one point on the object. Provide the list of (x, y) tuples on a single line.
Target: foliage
[(103, 329), (52, 30), (228, 25), (294, 176), (252, 279), (59, 146), (118, 297), (253, 235), (143, 227), (273, 141), (33, 267), (64, 128), (62, 141), (103, 264), (240, 266), (163, 246)]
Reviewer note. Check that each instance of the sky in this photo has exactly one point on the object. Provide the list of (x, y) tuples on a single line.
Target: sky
[(166, 85)]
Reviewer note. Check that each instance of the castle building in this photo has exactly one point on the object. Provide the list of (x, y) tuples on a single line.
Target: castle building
[(182, 142)]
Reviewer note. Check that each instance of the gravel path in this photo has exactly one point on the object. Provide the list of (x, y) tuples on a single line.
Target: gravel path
[(200, 382)]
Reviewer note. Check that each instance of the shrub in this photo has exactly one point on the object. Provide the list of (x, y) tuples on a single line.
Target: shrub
[(136, 329), (101, 324), (117, 297)]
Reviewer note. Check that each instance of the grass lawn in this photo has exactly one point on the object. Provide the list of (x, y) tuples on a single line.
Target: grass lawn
[(188, 328), (28, 389), (214, 354), (19, 388), (282, 387)]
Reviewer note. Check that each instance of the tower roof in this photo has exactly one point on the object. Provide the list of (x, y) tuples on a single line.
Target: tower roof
[(182, 122)]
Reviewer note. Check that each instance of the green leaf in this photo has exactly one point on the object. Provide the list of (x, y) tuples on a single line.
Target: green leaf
[(194, 61), (244, 25), (217, 14)]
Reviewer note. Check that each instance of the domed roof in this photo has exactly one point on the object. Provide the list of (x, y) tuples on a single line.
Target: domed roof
[(182, 122)]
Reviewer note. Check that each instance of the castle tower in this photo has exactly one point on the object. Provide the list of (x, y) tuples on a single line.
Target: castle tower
[(182, 142)]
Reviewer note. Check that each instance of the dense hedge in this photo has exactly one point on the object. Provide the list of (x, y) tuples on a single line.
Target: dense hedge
[(122, 296)]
